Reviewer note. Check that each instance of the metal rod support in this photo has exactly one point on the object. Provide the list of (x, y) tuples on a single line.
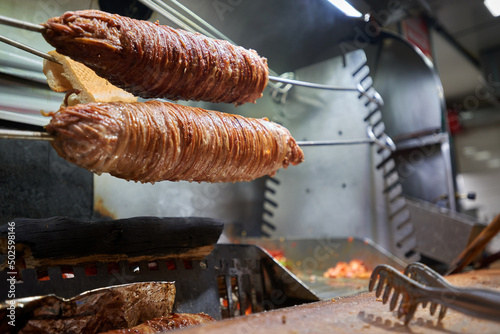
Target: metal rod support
[(27, 49), (359, 89), (310, 84), (187, 24), (334, 142), (22, 134), (21, 24)]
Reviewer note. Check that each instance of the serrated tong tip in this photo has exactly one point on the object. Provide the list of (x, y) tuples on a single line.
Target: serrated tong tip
[(405, 290)]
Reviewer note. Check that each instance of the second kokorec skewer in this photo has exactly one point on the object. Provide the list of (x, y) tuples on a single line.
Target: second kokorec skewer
[(39, 135)]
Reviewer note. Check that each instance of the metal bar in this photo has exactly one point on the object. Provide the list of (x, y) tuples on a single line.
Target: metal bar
[(167, 14), (187, 24), (27, 49), (169, 11), (311, 85), (21, 24), (359, 89), (176, 17), (389, 144), (208, 26), (170, 14), (273, 78), (22, 134), (35, 135), (334, 142), (183, 18)]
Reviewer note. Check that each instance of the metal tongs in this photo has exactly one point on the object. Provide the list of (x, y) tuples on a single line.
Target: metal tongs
[(421, 285)]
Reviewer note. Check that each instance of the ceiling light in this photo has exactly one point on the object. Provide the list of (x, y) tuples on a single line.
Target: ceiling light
[(493, 6), (349, 10)]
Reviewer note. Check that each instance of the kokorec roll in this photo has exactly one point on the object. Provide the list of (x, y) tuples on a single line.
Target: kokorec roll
[(155, 141), (155, 61)]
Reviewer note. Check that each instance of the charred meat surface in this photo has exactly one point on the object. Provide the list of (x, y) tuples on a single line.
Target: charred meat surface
[(155, 141), (92, 311), (156, 61)]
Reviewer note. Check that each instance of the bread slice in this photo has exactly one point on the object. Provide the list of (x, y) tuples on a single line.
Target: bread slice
[(80, 82)]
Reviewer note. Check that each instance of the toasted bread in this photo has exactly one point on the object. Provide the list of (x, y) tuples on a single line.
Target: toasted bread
[(80, 82)]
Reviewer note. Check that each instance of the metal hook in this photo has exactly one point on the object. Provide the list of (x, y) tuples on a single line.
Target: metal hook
[(389, 143)]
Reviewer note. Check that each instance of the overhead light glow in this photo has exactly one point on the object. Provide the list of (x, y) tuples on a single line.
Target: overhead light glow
[(349, 10), (493, 6)]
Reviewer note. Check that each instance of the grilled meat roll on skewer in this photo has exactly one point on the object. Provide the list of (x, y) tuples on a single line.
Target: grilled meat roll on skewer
[(166, 323), (154, 141), (154, 61)]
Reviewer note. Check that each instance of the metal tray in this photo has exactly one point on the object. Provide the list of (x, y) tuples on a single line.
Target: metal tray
[(308, 259)]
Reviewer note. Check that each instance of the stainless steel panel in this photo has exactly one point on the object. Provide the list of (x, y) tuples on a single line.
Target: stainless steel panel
[(442, 234), (424, 176), (414, 114), (22, 100), (338, 191), (329, 194), (412, 91)]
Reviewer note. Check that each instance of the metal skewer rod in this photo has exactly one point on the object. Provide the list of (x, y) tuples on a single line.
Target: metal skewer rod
[(334, 142), (27, 48), (186, 23), (376, 99), (198, 18), (189, 24), (171, 14), (388, 145), (21, 24), (23, 134), (273, 78), (174, 16), (38, 135), (310, 84), (181, 20)]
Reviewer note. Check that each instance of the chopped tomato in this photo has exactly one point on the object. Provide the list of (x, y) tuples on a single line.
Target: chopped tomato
[(279, 256), (354, 269)]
